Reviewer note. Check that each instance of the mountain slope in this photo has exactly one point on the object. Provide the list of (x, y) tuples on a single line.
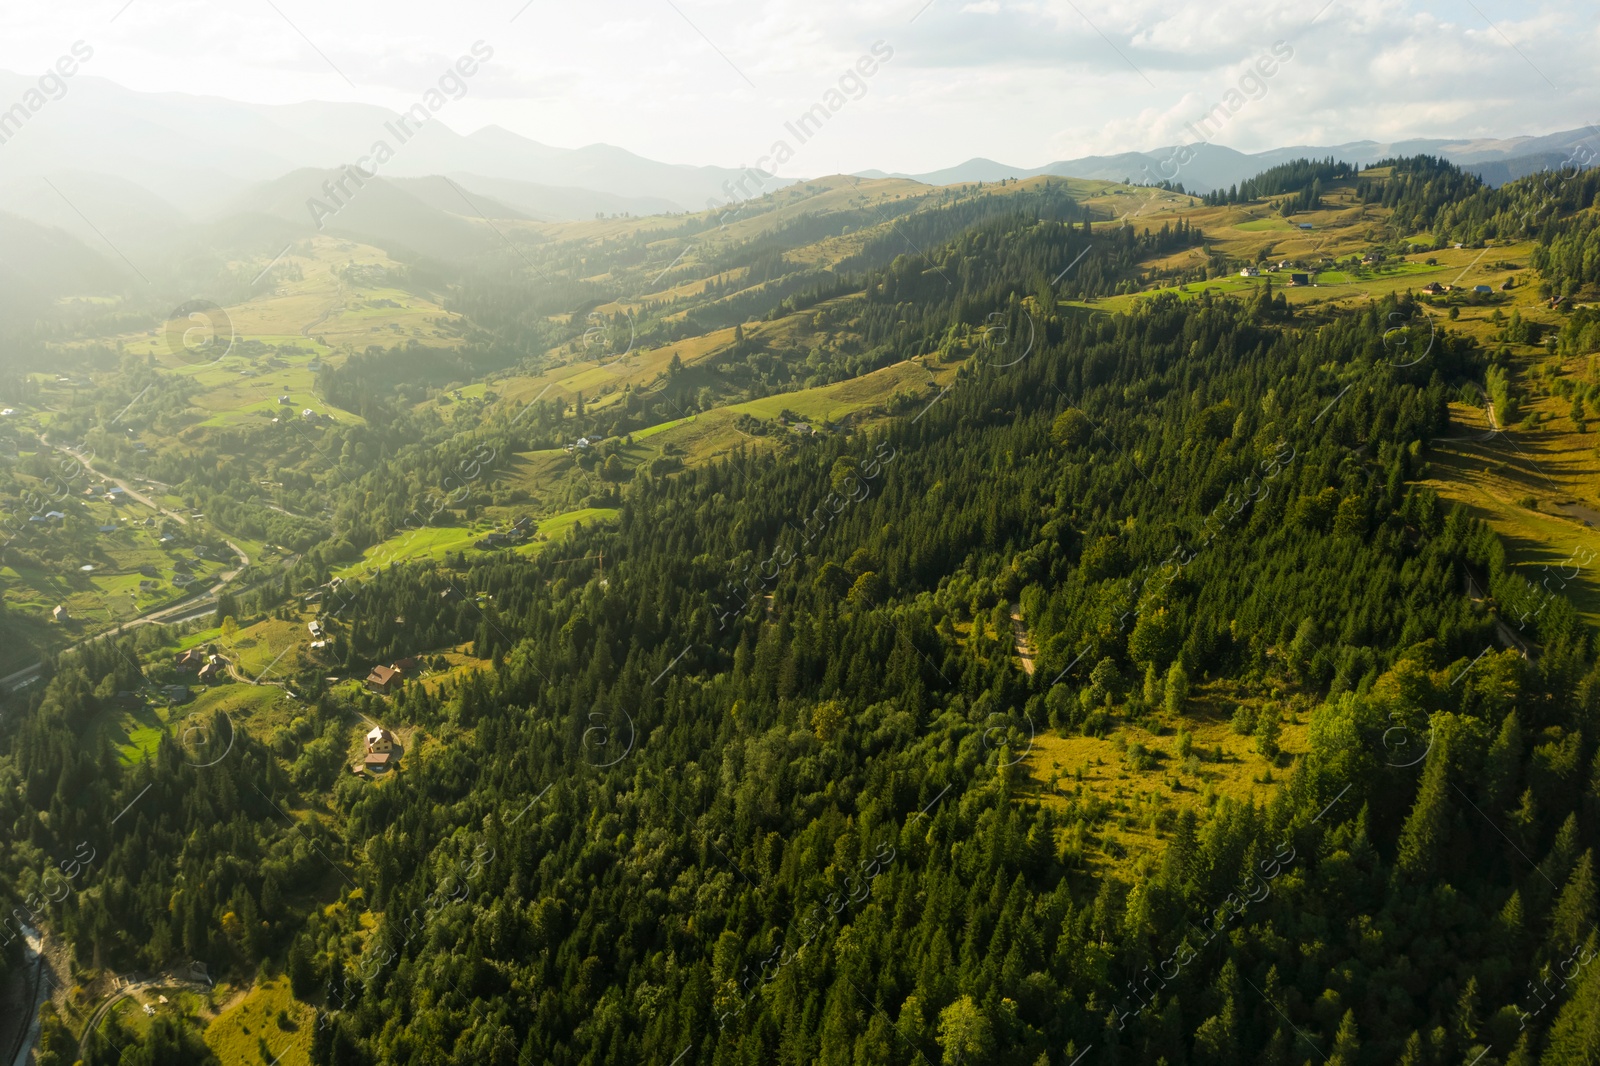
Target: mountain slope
[(379, 211), (93, 207), (44, 264), (561, 203)]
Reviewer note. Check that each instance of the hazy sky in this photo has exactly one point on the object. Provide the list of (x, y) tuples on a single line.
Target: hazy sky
[(713, 81)]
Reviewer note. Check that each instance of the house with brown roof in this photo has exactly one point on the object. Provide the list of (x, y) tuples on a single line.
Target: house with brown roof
[(383, 680)]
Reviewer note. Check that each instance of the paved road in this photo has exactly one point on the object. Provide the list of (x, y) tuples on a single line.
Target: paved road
[(147, 501), (179, 612), (183, 612), (244, 560)]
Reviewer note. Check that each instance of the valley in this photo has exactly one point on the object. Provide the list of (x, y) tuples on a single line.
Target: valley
[(528, 642)]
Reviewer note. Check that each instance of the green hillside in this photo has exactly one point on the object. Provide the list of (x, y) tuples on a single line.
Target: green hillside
[(692, 639)]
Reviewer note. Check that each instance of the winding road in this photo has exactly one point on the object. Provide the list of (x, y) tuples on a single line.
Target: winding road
[(187, 609), (127, 990)]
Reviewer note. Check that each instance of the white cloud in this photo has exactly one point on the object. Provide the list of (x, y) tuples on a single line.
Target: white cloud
[(1023, 81)]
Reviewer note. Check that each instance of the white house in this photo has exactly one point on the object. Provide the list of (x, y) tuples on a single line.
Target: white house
[(381, 753), (380, 739)]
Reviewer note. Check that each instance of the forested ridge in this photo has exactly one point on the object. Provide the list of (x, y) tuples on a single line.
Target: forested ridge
[(763, 791)]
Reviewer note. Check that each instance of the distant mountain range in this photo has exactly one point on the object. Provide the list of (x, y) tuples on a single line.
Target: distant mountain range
[(106, 178), (1212, 166), (199, 152)]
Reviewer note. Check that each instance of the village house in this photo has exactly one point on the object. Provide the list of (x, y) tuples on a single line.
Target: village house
[(383, 680), (382, 751), (60, 614)]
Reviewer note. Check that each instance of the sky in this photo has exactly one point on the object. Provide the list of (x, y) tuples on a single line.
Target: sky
[(714, 81)]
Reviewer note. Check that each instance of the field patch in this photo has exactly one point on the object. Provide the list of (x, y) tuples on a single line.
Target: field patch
[(436, 542), (1138, 773), (1262, 225), (267, 1026)]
